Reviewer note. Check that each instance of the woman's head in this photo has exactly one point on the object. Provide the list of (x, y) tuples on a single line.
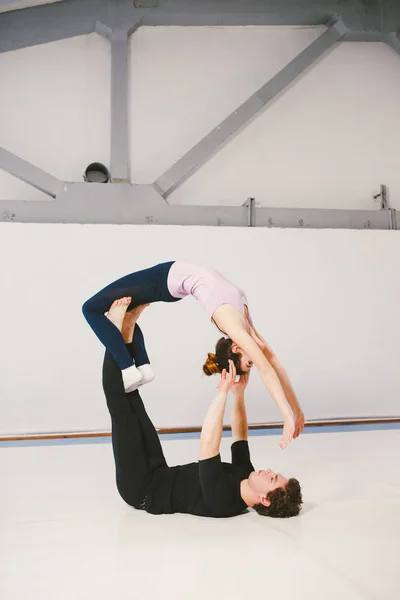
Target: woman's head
[(225, 351)]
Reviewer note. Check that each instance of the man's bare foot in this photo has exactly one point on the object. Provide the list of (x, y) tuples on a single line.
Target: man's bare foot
[(130, 319), (117, 311), (137, 311)]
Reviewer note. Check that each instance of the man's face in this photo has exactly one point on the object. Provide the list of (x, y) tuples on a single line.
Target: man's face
[(263, 482)]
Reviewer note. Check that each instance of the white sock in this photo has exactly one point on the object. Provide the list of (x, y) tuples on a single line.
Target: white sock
[(147, 374), (131, 378)]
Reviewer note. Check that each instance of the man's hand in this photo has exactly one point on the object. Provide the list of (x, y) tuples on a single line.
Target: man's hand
[(227, 379), (239, 387)]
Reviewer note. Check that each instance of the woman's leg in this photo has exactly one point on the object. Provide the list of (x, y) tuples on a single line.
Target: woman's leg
[(149, 285), (132, 334), (141, 287), (138, 348), (141, 357)]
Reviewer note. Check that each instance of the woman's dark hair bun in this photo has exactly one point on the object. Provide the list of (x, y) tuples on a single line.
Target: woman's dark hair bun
[(219, 361)]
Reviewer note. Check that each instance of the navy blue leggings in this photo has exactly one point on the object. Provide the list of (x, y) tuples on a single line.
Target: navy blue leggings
[(144, 287)]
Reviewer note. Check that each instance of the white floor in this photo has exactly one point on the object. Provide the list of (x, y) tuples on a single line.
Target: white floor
[(66, 534)]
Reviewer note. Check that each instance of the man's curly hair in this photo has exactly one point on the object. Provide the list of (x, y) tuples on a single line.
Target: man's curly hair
[(285, 502)]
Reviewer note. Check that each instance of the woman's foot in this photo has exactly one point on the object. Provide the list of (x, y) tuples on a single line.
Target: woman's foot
[(131, 378), (117, 311), (147, 374)]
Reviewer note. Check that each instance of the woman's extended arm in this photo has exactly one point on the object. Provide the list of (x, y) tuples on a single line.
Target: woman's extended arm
[(283, 378), (229, 320)]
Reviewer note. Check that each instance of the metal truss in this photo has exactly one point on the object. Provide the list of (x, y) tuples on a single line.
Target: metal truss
[(201, 152), (29, 173), (119, 202), (143, 205)]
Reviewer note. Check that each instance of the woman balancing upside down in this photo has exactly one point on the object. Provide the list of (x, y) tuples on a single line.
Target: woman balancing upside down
[(226, 306)]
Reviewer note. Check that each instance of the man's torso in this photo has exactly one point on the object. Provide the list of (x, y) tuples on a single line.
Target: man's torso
[(210, 488)]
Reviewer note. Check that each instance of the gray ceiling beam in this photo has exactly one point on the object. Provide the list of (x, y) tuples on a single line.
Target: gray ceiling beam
[(119, 107), (68, 18), (229, 19), (146, 3), (393, 41), (363, 36), (395, 220), (119, 39), (29, 173), (91, 203), (358, 15), (7, 5), (49, 23), (390, 10), (236, 121), (87, 203)]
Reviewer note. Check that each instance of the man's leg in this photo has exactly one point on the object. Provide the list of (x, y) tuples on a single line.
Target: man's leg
[(132, 465), (151, 440), (136, 347), (133, 469), (136, 446)]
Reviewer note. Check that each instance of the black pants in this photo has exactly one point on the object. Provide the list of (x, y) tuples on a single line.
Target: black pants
[(136, 445)]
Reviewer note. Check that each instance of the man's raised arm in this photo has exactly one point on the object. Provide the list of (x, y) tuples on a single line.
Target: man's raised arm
[(211, 432), (239, 425)]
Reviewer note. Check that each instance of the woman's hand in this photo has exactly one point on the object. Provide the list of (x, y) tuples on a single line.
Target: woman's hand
[(239, 387), (298, 423), (227, 379), (288, 432)]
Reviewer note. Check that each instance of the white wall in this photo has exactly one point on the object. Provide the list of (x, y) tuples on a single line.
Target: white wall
[(325, 300), (328, 141)]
